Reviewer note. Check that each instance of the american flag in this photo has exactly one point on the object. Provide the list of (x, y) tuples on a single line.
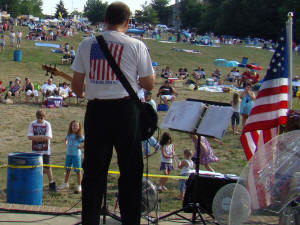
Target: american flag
[(271, 105), (268, 112), (99, 67)]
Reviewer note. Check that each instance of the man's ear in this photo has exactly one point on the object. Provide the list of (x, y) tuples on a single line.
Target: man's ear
[(126, 22)]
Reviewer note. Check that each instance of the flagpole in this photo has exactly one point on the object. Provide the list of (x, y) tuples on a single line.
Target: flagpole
[(289, 30)]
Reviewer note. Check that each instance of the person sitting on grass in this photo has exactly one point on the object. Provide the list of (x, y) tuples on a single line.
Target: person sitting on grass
[(182, 73), (166, 73), (254, 77), (216, 75), (49, 89), (199, 73), (14, 90), (167, 92), (233, 75), (65, 91), (66, 59), (241, 82), (29, 91), (2, 90)]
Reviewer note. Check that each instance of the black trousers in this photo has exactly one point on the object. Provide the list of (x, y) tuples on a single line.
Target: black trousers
[(107, 124)]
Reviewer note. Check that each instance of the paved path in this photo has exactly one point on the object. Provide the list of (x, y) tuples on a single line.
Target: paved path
[(44, 215)]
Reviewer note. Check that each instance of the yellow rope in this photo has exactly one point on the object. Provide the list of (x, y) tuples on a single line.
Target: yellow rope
[(110, 171)]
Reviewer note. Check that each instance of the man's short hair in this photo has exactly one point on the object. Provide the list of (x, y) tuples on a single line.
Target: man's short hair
[(117, 13)]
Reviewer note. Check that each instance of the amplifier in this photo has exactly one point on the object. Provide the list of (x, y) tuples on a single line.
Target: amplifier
[(203, 188)]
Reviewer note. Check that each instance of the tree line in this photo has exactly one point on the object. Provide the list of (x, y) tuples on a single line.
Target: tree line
[(22, 7), (241, 18)]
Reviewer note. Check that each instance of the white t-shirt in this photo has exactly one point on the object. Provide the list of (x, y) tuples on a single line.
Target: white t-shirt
[(44, 129), (187, 170), (46, 87), (64, 91), (101, 82), (19, 34), (12, 35), (169, 152)]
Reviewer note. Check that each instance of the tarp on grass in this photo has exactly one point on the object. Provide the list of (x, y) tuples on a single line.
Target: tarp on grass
[(39, 44)]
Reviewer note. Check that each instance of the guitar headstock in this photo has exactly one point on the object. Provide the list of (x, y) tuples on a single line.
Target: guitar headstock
[(55, 72), (50, 69)]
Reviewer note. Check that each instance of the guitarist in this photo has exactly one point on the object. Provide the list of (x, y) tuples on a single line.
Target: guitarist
[(111, 118)]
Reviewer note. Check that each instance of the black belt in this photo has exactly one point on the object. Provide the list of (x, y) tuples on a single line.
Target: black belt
[(109, 100)]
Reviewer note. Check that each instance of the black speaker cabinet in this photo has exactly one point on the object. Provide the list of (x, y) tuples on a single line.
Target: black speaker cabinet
[(202, 189)]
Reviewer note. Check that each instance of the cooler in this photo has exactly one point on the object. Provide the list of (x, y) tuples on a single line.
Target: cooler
[(54, 101)]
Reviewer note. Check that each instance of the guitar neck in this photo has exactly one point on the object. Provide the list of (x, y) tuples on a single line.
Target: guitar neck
[(64, 75)]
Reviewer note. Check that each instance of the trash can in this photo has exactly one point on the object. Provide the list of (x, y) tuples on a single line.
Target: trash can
[(25, 178), (17, 55)]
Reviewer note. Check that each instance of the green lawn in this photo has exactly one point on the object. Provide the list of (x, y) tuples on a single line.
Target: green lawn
[(15, 119)]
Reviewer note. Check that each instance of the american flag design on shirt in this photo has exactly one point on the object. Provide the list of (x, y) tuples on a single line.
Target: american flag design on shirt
[(100, 71)]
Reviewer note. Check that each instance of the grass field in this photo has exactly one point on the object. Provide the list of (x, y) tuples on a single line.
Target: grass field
[(14, 119)]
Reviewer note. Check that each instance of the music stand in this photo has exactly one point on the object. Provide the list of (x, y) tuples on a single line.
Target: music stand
[(193, 116)]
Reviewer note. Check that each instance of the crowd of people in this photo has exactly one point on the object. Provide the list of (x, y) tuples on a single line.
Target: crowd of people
[(13, 93), (109, 100)]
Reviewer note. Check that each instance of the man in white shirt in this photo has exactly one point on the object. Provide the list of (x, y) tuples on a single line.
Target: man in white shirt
[(49, 89), (112, 116)]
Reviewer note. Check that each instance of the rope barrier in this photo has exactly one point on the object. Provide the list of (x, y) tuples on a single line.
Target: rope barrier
[(109, 172)]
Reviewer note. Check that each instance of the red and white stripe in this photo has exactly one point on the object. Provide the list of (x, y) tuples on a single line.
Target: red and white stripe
[(269, 111), (100, 68)]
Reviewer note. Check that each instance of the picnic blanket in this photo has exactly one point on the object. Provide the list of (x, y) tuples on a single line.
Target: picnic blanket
[(39, 44), (219, 88), (214, 46), (168, 42), (186, 50)]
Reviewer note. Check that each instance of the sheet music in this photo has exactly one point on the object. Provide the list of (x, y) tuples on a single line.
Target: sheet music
[(183, 115), (215, 121)]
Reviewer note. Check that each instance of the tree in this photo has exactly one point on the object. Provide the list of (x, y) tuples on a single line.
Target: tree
[(147, 15), (292, 6), (191, 13), (76, 13), (11, 6), (60, 8), (162, 9), (31, 7), (94, 10)]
